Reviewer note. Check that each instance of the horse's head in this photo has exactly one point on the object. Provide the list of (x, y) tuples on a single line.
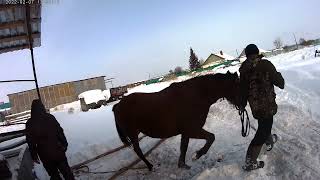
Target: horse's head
[(232, 88)]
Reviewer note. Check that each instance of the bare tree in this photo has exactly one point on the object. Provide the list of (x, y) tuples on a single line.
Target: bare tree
[(178, 70), (278, 43), (302, 41)]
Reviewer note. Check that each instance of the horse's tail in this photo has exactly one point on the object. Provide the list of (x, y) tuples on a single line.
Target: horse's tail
[(122, 134)]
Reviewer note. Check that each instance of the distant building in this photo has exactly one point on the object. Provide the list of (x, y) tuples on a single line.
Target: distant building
[(217, 58), (55, 95), (4, 106), (4, 110), (2, 117)]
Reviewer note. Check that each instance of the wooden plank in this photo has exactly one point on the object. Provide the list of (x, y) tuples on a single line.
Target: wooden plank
[(19, 120), (12, 133), (13, 136), (14, 145), (11, 153), (7, 6), (13, 48), (14, 24), (19, 37), (123, 170), (77, 166)]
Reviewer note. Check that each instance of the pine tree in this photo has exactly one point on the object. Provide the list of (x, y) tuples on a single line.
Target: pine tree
[(193, 61)]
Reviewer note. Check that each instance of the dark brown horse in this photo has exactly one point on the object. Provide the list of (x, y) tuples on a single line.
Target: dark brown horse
[(181, 108)]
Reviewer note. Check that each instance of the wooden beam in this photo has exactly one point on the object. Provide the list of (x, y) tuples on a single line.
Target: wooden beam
[(11, 153), (19, 37), (13, 145), (4, 7), (10, 137), (17, 80), (123, 170), (12, 133), (79, 165), (14, 48), (14, 24)]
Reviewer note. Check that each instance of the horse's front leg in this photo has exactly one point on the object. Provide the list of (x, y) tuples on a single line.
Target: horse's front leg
[(183, 151), (203, 134)]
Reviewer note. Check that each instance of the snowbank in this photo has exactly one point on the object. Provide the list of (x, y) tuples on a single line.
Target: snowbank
[(92, 96), (65, 107), (106, 94)]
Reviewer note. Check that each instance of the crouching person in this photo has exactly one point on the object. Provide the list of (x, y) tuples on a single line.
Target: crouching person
[(47, 141)]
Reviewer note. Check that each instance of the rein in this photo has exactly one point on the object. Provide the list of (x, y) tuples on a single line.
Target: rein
[(245, 130)]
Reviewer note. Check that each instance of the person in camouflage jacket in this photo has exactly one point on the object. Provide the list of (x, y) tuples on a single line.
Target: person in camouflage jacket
[(257, 79)]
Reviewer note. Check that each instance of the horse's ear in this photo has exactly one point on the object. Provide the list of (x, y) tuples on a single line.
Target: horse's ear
[(228, 72)]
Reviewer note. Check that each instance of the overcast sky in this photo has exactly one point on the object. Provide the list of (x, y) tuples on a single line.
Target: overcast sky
[(134, 39)]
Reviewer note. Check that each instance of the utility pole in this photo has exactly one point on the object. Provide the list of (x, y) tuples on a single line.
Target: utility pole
[(295, 39)]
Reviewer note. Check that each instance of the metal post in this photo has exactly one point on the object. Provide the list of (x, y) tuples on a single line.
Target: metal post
[(29, 32), (295, 40)]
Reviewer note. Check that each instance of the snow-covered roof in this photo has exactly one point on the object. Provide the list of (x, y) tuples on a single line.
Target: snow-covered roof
[(224, 56), (216, 58), (263, 51)]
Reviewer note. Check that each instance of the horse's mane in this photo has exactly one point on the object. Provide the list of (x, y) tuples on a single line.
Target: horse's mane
[(198, 80)]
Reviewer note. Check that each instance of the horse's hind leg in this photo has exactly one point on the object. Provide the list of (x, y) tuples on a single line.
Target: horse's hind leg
[(183, 151), (203, 134), (136, 148)]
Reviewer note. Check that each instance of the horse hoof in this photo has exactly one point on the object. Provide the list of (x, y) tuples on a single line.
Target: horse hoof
[(150, 167), (195, 156), (184, 166)]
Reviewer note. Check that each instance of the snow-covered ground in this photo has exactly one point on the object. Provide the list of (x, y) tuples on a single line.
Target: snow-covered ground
[(295, 156), (65, 107)]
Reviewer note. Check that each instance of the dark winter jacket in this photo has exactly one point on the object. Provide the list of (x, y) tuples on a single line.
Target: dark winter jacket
[(257, 78), (45, 136)]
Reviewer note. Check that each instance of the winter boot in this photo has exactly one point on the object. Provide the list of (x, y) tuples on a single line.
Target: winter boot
[(251, 158), (272, 139), (251, 165)]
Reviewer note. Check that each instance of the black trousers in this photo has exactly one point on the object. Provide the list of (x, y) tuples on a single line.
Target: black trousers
[(53, 168), (263, 132)]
